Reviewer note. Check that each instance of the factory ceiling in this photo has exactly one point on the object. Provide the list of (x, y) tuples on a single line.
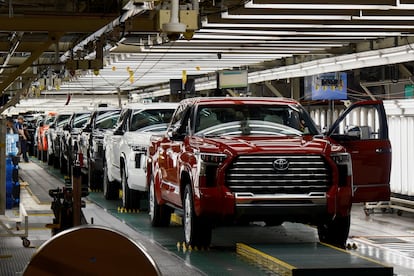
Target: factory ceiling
[(109, 46)]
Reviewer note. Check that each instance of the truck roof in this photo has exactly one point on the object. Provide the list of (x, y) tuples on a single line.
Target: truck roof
[(234, 100), (151, 105)]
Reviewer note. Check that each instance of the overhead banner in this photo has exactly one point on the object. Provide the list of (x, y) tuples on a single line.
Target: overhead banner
[(327, 86)]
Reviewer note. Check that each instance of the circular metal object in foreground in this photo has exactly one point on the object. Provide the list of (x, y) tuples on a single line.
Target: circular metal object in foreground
[(91, 250)]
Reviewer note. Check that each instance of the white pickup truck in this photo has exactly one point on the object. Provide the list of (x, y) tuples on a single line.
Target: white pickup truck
[(126, 148)]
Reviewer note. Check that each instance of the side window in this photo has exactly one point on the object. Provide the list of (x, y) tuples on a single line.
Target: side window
[(206, 117), (127, 121), (121, 118), (179, 121), (177, 117), (362, 123)]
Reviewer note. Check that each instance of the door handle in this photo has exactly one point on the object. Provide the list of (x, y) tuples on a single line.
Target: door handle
[(382, 150)]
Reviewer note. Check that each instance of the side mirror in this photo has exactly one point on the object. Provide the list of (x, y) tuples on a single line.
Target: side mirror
[(118, 131), (87, 128), (66, 127), (175, 133)]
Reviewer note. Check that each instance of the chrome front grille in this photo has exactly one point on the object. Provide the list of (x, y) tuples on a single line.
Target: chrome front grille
[(259, 175)]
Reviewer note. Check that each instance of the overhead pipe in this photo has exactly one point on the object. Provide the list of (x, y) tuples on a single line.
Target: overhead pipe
[(15, 40), (131, 12)]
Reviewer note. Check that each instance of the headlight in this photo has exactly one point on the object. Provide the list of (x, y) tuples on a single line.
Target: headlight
[(342, 158), (215, 158), (208, 164), (137, 147), (344, 164)]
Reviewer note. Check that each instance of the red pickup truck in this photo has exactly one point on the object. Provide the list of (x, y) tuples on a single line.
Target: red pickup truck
[(225, 160)]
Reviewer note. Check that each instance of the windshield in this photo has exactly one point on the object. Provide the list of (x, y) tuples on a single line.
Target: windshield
[(50, 119), (278, 120), (62, 119), (80, 120), (107, 119), (147, 120)]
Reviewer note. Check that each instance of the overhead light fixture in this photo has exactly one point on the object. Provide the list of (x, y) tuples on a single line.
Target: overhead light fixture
[(309, 67), (250, 4), (368, 57), (383, 18), (340, 63), (207, 24), (393, 54), (241, 37), (293, 70), (241, 29), (226, 15), (345, 61)]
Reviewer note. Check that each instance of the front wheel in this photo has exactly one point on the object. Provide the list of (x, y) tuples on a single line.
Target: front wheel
[(110, 190), (335, 231), (94, 178), (197, 231), (50, 159), (160, 215), (130, 198)]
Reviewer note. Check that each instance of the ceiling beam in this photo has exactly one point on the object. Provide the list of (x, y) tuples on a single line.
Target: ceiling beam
[(337, 2), (48, 23), (53, 38)]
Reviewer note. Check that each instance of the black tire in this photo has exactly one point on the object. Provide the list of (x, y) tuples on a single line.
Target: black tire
[(94, 178), (69, 165), (110, 189), (160, 215), (56, 162), (130, 198), (273, 222), (39, 154), (63, 165), (335, 231), (197, 231), (50, 159), (44, 156)]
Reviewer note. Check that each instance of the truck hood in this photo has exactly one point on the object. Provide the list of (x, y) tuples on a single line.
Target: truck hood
[(253, 144), (139, 138)]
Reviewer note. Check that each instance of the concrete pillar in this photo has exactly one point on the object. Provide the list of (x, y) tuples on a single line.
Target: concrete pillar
[(295, 88)]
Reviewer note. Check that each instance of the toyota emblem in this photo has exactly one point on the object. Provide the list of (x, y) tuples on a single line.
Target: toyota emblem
[(281, 164)]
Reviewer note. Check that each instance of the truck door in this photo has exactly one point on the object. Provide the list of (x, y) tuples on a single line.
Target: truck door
[(363, 130), (115, 141), (172, 148)]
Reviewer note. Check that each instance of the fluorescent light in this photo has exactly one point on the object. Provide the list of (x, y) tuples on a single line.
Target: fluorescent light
[(242, 37), (382, 18), (393, 54), (224, 51), (226, 15), (310, 67), (209, 29), (250, 4), (298, 26), (293, 70), (368, 57), (327, 63), (346, 61), (246, 32)]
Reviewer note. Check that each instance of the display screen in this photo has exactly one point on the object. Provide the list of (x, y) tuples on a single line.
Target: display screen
[(232, 78), (177, 87), (327, 86)]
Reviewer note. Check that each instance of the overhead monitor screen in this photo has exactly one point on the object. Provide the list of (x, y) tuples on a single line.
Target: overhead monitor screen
[(232, 78), (327, 86), (177, 87)]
